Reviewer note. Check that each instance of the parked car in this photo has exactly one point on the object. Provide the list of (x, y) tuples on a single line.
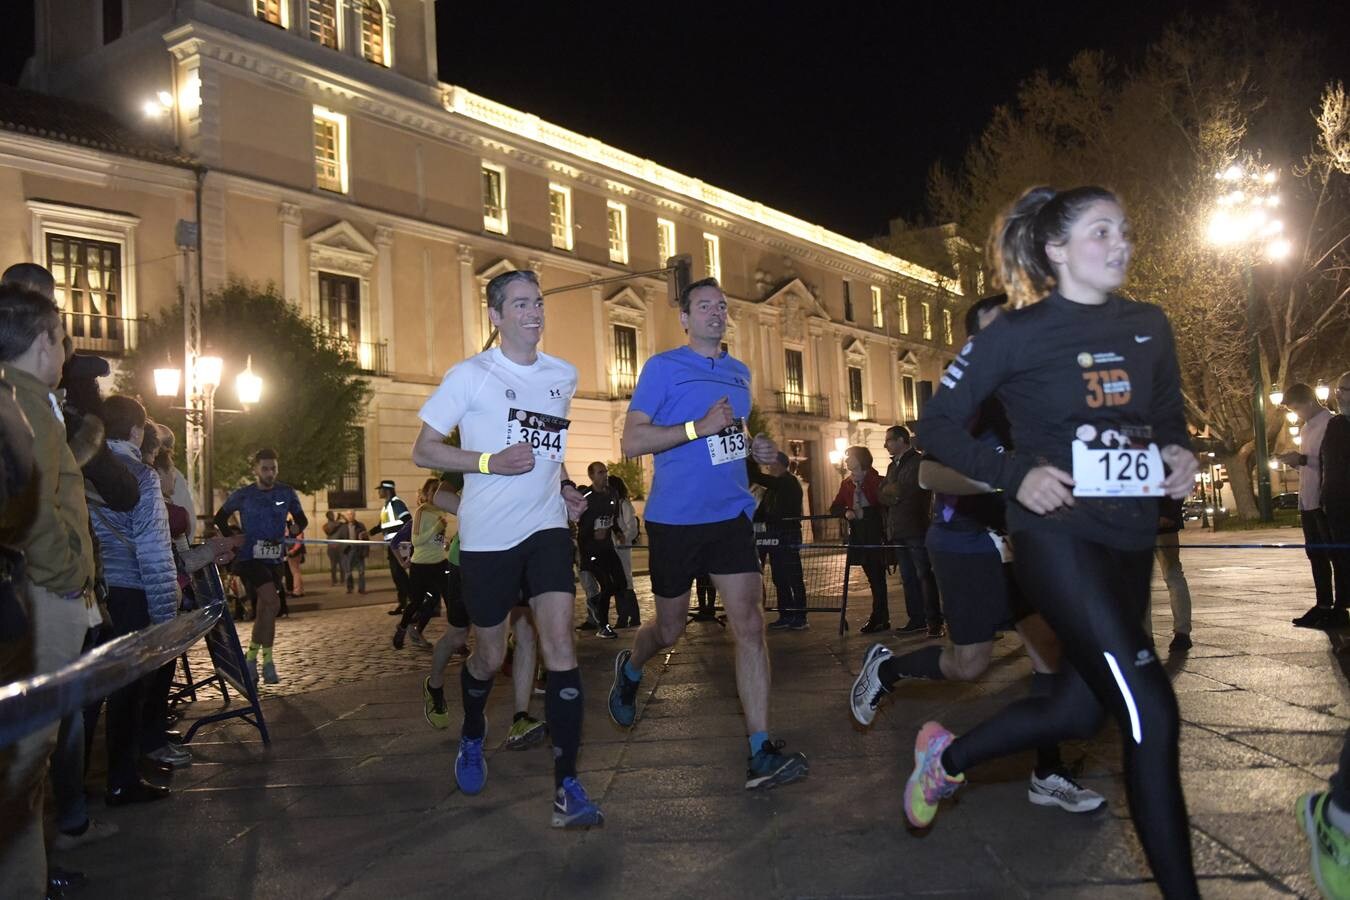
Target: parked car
[(1287, 500), (1192, 510)]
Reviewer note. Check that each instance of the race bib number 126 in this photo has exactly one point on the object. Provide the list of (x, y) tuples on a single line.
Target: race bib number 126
[(546, 435), (1115, 472)]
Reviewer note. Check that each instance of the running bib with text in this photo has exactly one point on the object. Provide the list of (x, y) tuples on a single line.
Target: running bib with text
[(266, 550), (729, 444), (1117, 472), (546, 435)]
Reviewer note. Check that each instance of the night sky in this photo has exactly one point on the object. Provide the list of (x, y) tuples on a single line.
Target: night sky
[(833, 115)]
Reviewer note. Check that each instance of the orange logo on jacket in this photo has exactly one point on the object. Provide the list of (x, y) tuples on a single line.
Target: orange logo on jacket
[(1107, 387)]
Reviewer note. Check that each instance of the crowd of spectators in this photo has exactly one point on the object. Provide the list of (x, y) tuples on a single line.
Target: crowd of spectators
[(94, 544)]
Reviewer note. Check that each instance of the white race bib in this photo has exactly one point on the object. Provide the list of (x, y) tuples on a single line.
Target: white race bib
[(729, 444), (267, 550), (546, 435), (1002, 545), (1102, 472)]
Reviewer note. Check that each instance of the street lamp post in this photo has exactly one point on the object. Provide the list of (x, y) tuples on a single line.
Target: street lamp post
[(199, 407), (1243, 219)]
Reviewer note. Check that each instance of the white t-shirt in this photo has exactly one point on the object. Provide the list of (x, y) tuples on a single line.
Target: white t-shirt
[(1310, 476), (488, 396)]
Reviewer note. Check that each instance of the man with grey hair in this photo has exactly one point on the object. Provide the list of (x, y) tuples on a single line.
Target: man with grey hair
[(59, 559), (31, 277), (510, 404)]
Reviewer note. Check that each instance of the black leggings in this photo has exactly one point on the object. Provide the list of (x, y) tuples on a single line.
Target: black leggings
[(426, 587), (1094, 597)]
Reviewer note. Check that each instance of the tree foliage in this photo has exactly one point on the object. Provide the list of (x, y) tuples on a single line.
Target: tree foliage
[(313, 399), (1158, 131)]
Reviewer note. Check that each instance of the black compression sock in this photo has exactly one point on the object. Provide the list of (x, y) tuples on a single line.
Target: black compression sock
[(1048, 761), (475, 694), (947, 765), (923, 663), (562, 709)]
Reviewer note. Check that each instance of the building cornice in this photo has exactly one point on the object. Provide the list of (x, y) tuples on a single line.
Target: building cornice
[(458, 116), (88, 165)]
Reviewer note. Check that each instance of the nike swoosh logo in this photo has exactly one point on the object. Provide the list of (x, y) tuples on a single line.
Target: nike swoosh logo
[(283, 502), (1138, 339)]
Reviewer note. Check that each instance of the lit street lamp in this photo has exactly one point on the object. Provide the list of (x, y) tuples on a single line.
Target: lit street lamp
[(1244, 220), (201, 407)]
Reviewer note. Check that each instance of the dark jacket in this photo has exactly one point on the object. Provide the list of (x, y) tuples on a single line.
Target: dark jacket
[(908, 506), (1170, 514), (782, 499), (1335, 454)]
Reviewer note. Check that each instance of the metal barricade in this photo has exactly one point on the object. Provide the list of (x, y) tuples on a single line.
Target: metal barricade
[(34, 703), (816, 565)]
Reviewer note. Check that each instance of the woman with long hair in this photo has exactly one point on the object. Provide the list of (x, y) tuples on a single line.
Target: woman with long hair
[(1091, 387)]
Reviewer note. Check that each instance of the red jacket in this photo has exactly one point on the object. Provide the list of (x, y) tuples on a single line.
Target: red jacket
[(871, 490)]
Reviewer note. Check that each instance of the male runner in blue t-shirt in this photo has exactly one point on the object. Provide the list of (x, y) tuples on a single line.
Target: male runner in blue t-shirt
[(688, 411), (262, 508)]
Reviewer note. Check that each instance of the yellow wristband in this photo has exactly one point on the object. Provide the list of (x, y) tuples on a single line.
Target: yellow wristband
[(689, 430), (483, 463)]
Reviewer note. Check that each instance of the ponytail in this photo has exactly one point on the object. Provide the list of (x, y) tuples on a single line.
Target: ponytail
[(1016, 248)]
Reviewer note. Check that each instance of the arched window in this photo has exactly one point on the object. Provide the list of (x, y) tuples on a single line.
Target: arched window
[(374, 32), (323, 22)]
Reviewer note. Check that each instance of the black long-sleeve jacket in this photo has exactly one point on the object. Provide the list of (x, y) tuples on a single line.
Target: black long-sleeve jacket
[(1064, 370)]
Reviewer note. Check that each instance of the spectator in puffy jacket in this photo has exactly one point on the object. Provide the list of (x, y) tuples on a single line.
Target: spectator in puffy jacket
[(139, 569)]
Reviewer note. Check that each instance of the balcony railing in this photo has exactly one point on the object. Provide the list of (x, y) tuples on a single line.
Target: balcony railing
[(104, 335), (864, 412), (371, 357), (794, 404)]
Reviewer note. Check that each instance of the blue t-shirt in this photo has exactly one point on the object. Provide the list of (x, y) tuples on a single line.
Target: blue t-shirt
[(262, 513), (687, 489)]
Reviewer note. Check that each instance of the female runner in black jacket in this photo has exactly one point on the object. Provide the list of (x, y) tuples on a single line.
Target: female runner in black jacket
[(1090, 384)]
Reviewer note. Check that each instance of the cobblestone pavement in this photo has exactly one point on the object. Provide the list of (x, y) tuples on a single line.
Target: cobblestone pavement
[(354, 797)]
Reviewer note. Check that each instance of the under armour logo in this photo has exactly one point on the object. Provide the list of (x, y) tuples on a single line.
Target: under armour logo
[(569, 693), (555, 393)]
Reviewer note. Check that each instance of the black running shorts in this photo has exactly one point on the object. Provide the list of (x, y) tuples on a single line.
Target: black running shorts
[(455, 613), (677, 554), (493, 578), (254, 573), (975, 590)]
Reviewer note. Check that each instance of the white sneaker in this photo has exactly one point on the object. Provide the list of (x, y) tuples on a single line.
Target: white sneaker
[(606, 632), (96, 831), (867, 687), (173, 755), (1062, 791)]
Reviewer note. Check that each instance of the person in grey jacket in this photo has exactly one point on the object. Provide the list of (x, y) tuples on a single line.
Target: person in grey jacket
[(139, 569)]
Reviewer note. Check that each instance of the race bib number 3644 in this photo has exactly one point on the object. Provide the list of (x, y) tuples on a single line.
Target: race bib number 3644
[(546, 435), (1115, 472)]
